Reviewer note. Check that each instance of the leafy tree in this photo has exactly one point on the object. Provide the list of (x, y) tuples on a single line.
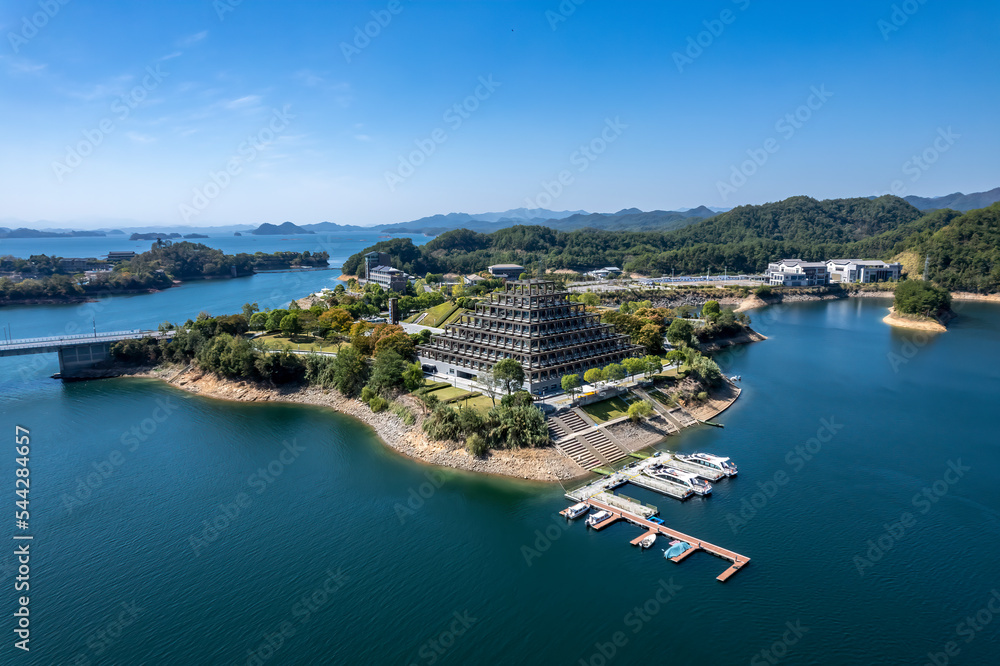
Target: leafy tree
[(258, 321), (590, 299), (675, 356), (250, 309), (634, 366), (349, 371), (711, 310), (680, 332), (274, 318), (338, 320), (650, 336), (921, 298), (490, 384), (509, 374), (290, 325), (639, 410), (397, 341), (387, 372), (514, 427), (571, 384), (413, 377), (652, 365), (614, 372), (594, 376)]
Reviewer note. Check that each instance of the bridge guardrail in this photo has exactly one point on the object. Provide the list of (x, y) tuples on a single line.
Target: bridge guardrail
[(82, 336)]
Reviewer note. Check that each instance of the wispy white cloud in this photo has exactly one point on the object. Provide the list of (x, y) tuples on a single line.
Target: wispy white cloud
[(137, 137), (362, 137), (170, 56), (191, 40), (243, 102), (22, 65)]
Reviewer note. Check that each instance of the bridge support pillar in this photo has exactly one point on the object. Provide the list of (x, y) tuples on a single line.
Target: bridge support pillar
[(74, 359)]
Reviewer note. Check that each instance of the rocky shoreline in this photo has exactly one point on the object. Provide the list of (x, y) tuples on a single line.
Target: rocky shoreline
[(546, 464), (922, 324)]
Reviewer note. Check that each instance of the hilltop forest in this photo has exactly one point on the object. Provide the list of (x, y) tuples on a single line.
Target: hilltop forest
[(963, 248)]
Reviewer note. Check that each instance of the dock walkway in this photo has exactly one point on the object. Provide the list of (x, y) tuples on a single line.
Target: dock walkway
[(738, 561)]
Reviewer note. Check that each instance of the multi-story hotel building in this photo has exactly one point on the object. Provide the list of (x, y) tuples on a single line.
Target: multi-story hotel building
[(534, 324)]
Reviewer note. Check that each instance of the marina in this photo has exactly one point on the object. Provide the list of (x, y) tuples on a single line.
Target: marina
[(608, 507)]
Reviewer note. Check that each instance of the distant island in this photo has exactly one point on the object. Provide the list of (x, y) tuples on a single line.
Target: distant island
[(34, 233), (192, 236), (47, 279), (153, 235), (285, 228)]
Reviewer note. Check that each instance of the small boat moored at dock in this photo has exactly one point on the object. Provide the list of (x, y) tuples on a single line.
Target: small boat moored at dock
[(687, 480), (648, 541), (707, 460), (576, 510), (597, 518)]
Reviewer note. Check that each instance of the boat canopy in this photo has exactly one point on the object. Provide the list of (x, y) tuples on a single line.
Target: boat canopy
[(677, 549)]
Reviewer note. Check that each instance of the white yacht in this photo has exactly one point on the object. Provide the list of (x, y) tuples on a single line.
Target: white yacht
[(597, 518), (717, 463), (648, 541), (680, 478), (577, 510)]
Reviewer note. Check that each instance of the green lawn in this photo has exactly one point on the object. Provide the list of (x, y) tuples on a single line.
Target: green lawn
[(481, 403), (435, 315), (303, 342), (448, 392), (606, 410), (454, 317)]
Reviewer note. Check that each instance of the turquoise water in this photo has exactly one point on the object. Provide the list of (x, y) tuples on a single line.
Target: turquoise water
[(361, 556)]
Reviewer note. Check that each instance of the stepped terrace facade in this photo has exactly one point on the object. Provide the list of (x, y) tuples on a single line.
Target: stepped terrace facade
[(533, 323)]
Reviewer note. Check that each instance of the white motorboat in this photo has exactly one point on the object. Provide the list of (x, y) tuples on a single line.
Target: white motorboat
[(686, 480), (717, 463), (598, 518), (577, 510), (648, 541)]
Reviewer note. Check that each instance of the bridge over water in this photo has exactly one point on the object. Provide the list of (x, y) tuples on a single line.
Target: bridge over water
[(76, 352)]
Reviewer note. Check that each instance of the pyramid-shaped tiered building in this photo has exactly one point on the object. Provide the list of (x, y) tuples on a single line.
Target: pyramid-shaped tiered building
[(533, 323)]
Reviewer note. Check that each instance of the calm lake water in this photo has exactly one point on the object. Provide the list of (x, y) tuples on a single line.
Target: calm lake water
[(173, 529)]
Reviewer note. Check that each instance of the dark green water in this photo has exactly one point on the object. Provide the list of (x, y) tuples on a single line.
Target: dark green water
[(448, 582)]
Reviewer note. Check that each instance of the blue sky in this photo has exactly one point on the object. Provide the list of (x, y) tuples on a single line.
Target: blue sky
[(226, 112)]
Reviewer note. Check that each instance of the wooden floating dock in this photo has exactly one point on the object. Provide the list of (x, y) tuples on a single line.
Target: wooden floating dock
[(739, 561), (687, 552), (604, 523), (635, 541)]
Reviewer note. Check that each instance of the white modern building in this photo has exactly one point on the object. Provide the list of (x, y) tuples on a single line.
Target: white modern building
[(605, 273), (862, 270), (798, 273), (387, 277), (506, 271)]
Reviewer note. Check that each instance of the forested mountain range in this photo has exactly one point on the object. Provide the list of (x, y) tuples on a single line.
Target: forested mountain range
[(963, 248)]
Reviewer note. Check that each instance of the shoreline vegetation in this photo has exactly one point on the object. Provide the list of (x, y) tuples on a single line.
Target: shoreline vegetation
[(916, 322), (43, 279), (543, 464)]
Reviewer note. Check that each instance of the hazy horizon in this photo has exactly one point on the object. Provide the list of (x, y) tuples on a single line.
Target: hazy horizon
[(385, 112)]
